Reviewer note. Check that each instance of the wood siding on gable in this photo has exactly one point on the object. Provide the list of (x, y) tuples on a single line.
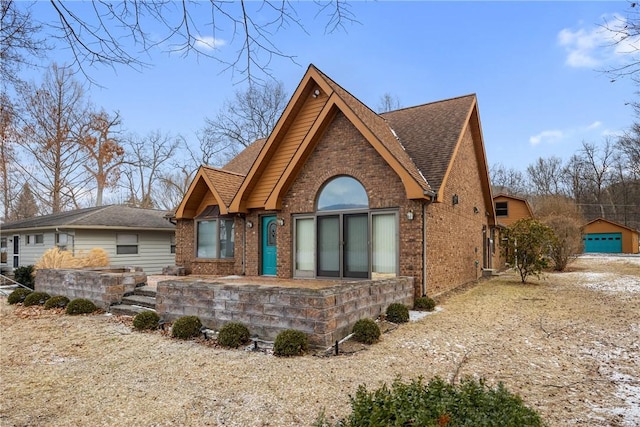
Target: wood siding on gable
[(286, 149), (517, 210)]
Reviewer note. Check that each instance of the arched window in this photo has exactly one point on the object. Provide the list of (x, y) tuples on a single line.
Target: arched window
[(342, 193)]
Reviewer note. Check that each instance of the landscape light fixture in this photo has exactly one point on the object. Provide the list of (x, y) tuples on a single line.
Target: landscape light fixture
[(249, 224), (280, 222)]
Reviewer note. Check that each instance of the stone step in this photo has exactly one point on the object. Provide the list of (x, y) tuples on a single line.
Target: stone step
[(127, 309), (141, 300), (147, 291)]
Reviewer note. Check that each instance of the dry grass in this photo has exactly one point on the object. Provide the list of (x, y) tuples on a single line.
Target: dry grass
[(567, 344)]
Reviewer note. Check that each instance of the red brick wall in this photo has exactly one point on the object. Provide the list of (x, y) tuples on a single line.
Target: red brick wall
[(454, 233)]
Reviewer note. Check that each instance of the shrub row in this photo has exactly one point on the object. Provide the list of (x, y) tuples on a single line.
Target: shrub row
[(30, 298)]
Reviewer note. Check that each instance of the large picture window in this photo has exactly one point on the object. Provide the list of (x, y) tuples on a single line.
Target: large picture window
[(344, 238), (215, 238)]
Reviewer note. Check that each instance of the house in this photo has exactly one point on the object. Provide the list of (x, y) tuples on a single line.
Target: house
[(338, 191), (604, 236), (510, 209), (130, 236)]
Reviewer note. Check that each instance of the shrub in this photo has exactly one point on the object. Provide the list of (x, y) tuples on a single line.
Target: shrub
[(146, 320), (437, 403), (58, 301), (290, 343), (186, 327), (424, 304), (233, 335), (366, 331), (397, 313), (24, 276), (80, 306), (18, 295), (36, 298)]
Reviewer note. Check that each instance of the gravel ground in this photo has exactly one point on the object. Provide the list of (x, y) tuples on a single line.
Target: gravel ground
[(568, 344)]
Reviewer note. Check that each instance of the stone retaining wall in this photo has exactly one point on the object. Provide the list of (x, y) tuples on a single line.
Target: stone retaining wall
[(326, 315), (105, 286)]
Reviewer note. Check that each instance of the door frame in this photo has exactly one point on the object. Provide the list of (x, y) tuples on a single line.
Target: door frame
[(264, 220)]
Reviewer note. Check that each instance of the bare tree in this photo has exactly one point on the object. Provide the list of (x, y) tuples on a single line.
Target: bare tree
[(143, 167), (508, 181), (19, 43), (388, 102), (629, 146), (25, 206), (50, 150), (8, 139), (625, 32), (598, 164), (122, 32), (172, 186), (251, 115), (545, 176), (105, 155)]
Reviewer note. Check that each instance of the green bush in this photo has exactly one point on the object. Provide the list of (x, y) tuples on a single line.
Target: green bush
[(397, 313), (424, 304), (18, 295), (24, 275), (80, 306), (290, 343), (186, 327), (36, 298), (58, 301), (437, 403), (233, 335), (146, 320), (366, 331)]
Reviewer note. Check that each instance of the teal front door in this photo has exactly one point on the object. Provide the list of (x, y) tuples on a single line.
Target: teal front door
[(269, 248)]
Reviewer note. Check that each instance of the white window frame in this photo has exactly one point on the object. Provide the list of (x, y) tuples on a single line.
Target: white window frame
[(126, 242)]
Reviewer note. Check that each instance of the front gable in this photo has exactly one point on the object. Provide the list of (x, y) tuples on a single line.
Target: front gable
[(310, 111), (209, 187)]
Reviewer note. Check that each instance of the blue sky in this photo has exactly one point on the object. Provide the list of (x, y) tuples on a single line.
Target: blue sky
[(533, 65)]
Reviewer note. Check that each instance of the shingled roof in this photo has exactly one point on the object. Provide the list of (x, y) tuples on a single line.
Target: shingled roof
[(111, 216), (430, 133), (244, 160)]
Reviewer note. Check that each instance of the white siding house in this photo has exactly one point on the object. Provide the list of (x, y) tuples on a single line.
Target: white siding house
[(132, 237)]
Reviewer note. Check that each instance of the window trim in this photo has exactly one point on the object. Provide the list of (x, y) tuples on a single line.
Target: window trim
[(217, 219), (504, 209), (127, 246)]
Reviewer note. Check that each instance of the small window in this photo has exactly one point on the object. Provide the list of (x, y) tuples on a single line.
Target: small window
[(39, 239), (3, 250), (173, 243), (502, 208), (28, 240), (126, 244)]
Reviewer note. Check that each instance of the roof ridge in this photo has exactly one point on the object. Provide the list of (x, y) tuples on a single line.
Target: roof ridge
[(473, 94)]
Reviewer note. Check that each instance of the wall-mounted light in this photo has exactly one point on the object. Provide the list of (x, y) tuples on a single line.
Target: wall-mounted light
[(410, 215), (454, 200), (249, 224), (316, 93), (476, 210), (280, 222)]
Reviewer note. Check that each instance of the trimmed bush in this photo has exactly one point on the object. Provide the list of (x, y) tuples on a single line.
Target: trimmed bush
[(424, 304), (233, 335), (58, 301), (437, 403), (18, 295), (146, 320), (80, 306), (36, 298), (290, 343), (397, 313), (366, 331), (186, 327), (24, 275)]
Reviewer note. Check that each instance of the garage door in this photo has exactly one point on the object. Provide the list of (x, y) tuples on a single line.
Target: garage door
[(603, 243)]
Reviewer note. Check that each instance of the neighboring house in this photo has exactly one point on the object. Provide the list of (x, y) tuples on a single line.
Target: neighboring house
[(510, 209), (604, 236), (130, 236), (338, 191)]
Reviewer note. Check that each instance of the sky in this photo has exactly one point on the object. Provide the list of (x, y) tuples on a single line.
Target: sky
[(536, 68)]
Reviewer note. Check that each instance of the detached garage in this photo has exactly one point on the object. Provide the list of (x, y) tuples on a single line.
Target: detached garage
[(604, 236)]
